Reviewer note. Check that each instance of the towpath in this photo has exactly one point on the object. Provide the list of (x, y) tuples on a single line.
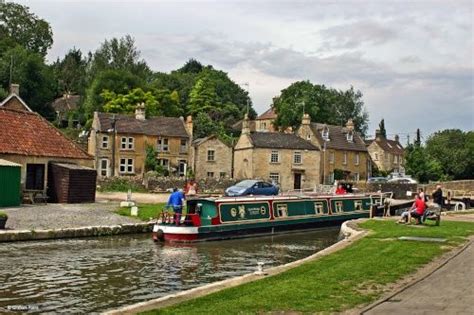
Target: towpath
[(448, 290)]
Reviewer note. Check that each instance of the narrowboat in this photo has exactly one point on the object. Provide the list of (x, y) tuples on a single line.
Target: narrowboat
[(234, 217)]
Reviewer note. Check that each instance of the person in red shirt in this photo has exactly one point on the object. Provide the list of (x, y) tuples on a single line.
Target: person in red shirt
[(416, 210), (340, 190)]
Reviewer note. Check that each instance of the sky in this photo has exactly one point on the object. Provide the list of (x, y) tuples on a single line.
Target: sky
[(412, 60)]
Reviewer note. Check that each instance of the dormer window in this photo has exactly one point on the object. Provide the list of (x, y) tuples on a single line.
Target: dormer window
[(350, 136), (325, 134)]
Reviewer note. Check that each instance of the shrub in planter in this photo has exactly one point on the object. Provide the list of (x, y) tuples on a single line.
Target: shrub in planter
[(3, 219)]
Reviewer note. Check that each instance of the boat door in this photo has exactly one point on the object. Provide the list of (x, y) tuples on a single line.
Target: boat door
[(297, 181)]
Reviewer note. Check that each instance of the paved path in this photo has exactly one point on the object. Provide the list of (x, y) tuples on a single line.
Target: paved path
[(138, 197), (56, 216), (449, 290)]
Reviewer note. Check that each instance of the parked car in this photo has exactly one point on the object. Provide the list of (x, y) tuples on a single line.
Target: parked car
[(252, 187), (377, 180), (403, 180)]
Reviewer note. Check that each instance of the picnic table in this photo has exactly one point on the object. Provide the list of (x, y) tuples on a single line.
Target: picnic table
[(34, 196)]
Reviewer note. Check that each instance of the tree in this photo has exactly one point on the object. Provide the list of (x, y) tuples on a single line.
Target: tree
[(70, 72), (453, 149), (383, 132), (417, 141), (126, 103), (151, 163), (322, 104), (191, 66), (25, 28), (37, 84), (422, 166)]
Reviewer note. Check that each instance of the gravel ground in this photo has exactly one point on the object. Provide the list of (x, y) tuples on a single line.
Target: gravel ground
[(56, 216), (138, 197)]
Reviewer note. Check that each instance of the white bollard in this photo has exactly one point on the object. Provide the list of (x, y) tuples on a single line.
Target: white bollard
[(260, 265), (134, 211)]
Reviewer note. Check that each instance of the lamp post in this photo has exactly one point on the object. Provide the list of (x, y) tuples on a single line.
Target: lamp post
[(324, 161), (114, 133)]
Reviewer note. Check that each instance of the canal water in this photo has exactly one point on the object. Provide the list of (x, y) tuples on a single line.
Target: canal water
[(97, 274)]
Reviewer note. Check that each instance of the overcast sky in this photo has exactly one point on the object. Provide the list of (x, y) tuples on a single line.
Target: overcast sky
[(413, 61)]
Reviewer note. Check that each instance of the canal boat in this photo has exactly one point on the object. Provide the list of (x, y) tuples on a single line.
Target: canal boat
[(234, 217)]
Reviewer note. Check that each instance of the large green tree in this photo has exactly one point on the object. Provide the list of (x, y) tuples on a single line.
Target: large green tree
[(421, 166), (70, 72), (324, 105), (453, 149), (24, 28)]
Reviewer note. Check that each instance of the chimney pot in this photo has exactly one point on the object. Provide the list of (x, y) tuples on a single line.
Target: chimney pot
[(397, 138), (140, 111)]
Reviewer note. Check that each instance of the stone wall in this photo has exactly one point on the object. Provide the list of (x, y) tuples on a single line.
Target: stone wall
[(460, 185)]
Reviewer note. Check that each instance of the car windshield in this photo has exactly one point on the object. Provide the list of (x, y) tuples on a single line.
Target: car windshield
[(246, 183)]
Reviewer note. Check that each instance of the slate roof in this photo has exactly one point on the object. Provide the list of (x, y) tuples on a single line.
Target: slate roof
[(276, 140), (26, 133), (387, 145), (269, 114), (338, 138), (66, 103), (154, 126)]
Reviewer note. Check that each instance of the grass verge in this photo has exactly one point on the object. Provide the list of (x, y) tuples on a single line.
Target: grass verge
[(350, 277), (145, 211)]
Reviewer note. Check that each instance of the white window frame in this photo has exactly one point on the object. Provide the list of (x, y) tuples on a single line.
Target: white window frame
[(126, 165), (162, 146), (105, 140), (356, 177), (211, 155), (395, 159), (338, 206), (127, 143), (183, 148), (331, 157), (222, 174), (166, 165), (273, 154), (357, 159), (107, 168), (319, 207), (210, 175), (297, 157), (358, 205), (274, 177)]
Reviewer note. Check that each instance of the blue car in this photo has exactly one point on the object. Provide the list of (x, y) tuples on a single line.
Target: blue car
[(251, 187)]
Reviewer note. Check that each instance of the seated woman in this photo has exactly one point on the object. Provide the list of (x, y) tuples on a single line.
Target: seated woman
[(340, 190), (416, 210)]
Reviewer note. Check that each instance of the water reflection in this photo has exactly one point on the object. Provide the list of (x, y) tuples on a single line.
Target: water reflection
[(96, 274)]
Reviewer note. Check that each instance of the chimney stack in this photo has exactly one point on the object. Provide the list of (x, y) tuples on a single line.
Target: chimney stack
[(350, 125), (245, 125), (397, 138), (189, 126), (140, 111), (306, 120), (15, 89), (378, 135)]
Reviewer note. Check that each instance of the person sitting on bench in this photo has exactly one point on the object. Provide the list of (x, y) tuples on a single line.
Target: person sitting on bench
[(416, 211)]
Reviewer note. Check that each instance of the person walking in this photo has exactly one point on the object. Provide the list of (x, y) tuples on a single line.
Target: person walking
[(175, 201)]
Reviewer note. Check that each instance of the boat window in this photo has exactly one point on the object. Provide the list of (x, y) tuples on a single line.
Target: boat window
[(358, 205), (338, 206), (318, 207), (282, 211)]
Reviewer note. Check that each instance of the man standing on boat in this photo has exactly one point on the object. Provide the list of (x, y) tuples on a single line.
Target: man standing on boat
[(176, 202)]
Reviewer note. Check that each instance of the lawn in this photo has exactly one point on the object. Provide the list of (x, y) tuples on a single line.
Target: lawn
[(353, 276), (145, 211)]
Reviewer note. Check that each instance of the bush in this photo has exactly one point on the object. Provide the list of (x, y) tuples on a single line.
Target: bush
[(121, 184), (3, 215)]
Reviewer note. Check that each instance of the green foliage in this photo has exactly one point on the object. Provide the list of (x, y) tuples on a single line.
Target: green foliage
[(70, 72), (3, 215), (120, 184), (3, 93), (37, 84), (150, 158), (453, 149), (383, 132), (146, 212), (24, 28), (323, 105), (126, 103), (191, 66), (355, 275), (420, 165)]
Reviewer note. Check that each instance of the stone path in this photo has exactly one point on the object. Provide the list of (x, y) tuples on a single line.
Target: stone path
[(138, 197), (449, 290), (56, 216)]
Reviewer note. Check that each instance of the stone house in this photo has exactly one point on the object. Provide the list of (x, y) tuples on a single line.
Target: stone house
[(31, 141), (264, 122), (14, 101), (342, 150), (121, 149), (284, 158), (212, 158), (387, 155), (65, 106)]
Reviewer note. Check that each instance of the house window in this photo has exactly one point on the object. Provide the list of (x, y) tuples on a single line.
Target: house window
[(331, 157), (350, 136), (210, 174), (222, 174), (104, 167), (274, 177), (183, 148), (376, 157), (308, 137), (357, 159), (263, 126), (344, 158), (338, 206), (211, 155), (356, 177), (126, 166), (274, 157), (105, 142), (126, 143), (297, 157), (163, 145), (331, 177), (34, 176), (318, 208), (165, 163), (182, 167)]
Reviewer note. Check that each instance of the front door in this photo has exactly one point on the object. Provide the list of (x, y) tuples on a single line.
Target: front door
[(297, 181)]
